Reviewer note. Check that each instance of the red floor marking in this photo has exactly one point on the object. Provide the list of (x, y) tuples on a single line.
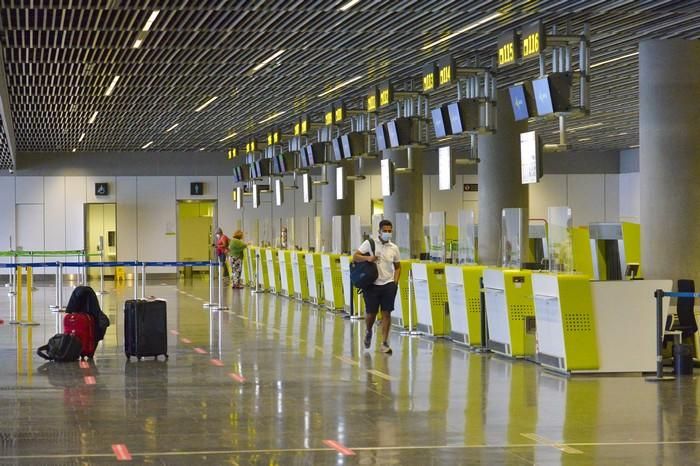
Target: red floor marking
[(339, 447), (186, 340), (217, 362), (237, 377), (200, 351), (89, 380), (174, 332), (84, 365), (121, 452)]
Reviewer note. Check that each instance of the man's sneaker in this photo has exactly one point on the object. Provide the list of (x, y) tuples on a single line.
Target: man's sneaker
[(385, 348), (368, 340)]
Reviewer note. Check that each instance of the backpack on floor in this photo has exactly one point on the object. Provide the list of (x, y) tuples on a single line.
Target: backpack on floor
[(61, 347), (363, 274)]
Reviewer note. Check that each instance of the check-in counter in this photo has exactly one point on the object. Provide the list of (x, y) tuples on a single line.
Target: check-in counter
[(258, 259), (286, 278), (464, 297), (566, 330), (430, 290), (332, 282), (345, 276), (510, 312), (299, 279), (245, 267), (314, 277), (273, 269), (619, 327), (400, 316)]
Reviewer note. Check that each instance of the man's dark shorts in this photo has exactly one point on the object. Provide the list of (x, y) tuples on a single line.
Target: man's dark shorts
[(377, 296)]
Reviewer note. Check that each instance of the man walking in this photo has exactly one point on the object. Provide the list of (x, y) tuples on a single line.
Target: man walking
[(382, 293)]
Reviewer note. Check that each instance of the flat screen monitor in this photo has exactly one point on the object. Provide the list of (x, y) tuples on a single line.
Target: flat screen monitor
[(279, 192), (387, 177), (315, 153), (338, 153), (256, 196), (441, 121), (353, 144), (520, 102), (552, 93), (402, 132), (464, 115), (382, 136), (239, 197), (530, 157), (306, 187), (339, 183), (446, 176)]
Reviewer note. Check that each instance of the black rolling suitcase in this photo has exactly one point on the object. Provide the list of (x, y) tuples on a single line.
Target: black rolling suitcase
[(145, 328)]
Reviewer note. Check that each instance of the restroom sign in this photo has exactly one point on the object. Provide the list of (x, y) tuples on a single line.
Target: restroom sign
[(197, 189), (101, 189)]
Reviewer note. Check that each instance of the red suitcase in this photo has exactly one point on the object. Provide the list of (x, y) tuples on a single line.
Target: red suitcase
[(83, 327)]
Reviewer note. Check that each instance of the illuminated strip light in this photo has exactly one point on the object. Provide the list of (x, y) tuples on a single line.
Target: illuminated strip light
[(464, 29), (93, 117), (172, 127), (205, 104), (622, 57), (634, 146), (227, 137), (74, 149), (594, 125), (150, 20), (584, 139), (340, 86), (349, 5), (271, 117), (268, 60), (137, 43), (146, 146), (82, 136), (111, 87)]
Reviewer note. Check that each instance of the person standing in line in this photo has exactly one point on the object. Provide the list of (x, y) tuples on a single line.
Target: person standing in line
[(221, 244), (236, 249), (383, 292)]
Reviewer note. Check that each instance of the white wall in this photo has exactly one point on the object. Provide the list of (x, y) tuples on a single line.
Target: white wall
[(629, 197)]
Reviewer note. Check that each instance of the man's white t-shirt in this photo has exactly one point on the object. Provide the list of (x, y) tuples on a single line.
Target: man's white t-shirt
[(387, 254)]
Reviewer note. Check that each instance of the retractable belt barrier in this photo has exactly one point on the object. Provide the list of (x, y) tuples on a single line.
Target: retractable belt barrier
[(660, 295)]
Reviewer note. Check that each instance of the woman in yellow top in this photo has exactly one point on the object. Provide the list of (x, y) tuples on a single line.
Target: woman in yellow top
[(236, 247)]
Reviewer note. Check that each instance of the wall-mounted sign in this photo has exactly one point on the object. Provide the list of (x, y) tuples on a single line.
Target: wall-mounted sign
[(372, 99), (328, 116), (101, 189), (446, 70), (386, 93), (508, 48), (470, 187), (197, 189), (532, 39), (232, 153), (338, 112)]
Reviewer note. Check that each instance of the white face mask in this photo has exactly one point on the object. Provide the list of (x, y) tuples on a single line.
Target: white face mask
[(386, 236)]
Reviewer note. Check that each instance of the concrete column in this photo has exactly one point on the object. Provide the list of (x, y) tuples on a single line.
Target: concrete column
[(669, 158), (499, 180), (408, 195), (330, 206)]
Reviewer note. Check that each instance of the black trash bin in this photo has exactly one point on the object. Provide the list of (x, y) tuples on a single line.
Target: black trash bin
[(682, 359)]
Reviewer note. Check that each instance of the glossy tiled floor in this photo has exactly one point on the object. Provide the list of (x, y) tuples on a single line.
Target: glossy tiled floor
[(292, 378)]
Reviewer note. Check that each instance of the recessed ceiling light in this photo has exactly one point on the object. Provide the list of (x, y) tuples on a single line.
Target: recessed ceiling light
[(593, 125), (205, 104), (150, 20), (146, 146), (228, 137), (272, 117), (348, 5), (202, 148), (621, 57), (267, 60), (340, 86), (93, 117), (74, 149), (172, 127), (621, 134), (466, 28), (111, 87), (82, 136), (138, 42)]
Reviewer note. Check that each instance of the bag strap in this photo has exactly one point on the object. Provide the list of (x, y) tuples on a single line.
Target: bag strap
[(43, 352), (371, 245)]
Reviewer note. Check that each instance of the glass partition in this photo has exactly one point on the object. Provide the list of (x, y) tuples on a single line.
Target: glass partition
[(466, 252), (337, 234), (402, 234), (512, 238), (560, 222), (437, 236), (318, 246), (355, 233)]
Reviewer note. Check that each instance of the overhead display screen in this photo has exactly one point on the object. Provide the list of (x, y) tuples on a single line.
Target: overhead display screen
[(543, 97), (337, 149), (532, 39), (530, 158), (441, 121), (508, 48), (382, 136), (518, 101)]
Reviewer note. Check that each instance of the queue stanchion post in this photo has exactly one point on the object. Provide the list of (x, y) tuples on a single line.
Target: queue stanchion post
[(136, 280), (13, 277), (258, 278), (659, 377), (211, 302), (102, 267), (143, 280), (220, 285), (484, 347), (18, 297), (30, 311), (13, 299)]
